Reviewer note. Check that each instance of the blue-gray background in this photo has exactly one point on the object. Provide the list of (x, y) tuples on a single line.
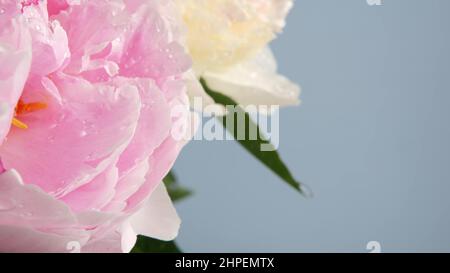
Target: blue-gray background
[(371, 138)]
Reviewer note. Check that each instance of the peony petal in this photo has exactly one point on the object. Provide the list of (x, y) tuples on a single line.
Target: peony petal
[(163, 158), (15, 62), (158, 217), (95, 221), (18, 239), (153, 126), (222, 33), (56, 6), (33, 221), (127, 185), (97, 83), (273, 11), (96, 194), (150, 49), (27, 205), (196, 91), (255, 82), (67, 145), (129, 237), (121, 239), (160, 162), (50, 44), (91, 27), (110, 243)]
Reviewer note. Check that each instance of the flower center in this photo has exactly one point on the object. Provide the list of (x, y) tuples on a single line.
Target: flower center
[(23, 108)]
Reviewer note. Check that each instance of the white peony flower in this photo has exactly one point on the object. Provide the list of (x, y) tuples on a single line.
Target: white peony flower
[(228, 41)]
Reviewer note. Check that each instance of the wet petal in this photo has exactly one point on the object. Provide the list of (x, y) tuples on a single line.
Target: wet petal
[(33, 221), (96, 194), (67, 145), (255, 82), (50, 44), (15, 61), (153, 126)]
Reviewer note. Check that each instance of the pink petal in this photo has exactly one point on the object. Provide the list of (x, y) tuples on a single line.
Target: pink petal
[(32, 221), (56, 6), (2, 168), (161, 162), (9, 10), (153, 126), (95, 194), (128, 184), (15, 61), (163, 158), (50, 44), (150, 51), (68, 145), (28, 205), (91, 27), (19, 239)]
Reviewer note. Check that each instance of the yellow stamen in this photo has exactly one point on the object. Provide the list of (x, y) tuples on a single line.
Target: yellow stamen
[(19, 124)]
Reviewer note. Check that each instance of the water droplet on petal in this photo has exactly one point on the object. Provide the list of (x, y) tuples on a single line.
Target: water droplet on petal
[(6, 206), (51, 138), (27, 214)]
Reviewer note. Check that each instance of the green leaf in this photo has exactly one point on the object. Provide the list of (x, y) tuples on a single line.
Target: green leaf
[(175, 190), (150, 245), (271, 159)]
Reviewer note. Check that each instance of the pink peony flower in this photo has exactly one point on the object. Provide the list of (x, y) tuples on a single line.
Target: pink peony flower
[(86, 93)]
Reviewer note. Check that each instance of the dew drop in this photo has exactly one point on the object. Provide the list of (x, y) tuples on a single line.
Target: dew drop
[(6, 206), (306, 191), (27, 214), (89, 156)]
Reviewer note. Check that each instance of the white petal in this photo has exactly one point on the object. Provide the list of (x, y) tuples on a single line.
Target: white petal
[(129, 237), (195, 90), (255, 82), (158, 217), (121, 239)]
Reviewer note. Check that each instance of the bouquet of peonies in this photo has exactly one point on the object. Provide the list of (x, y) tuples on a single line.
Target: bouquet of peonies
[(97, 101)]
